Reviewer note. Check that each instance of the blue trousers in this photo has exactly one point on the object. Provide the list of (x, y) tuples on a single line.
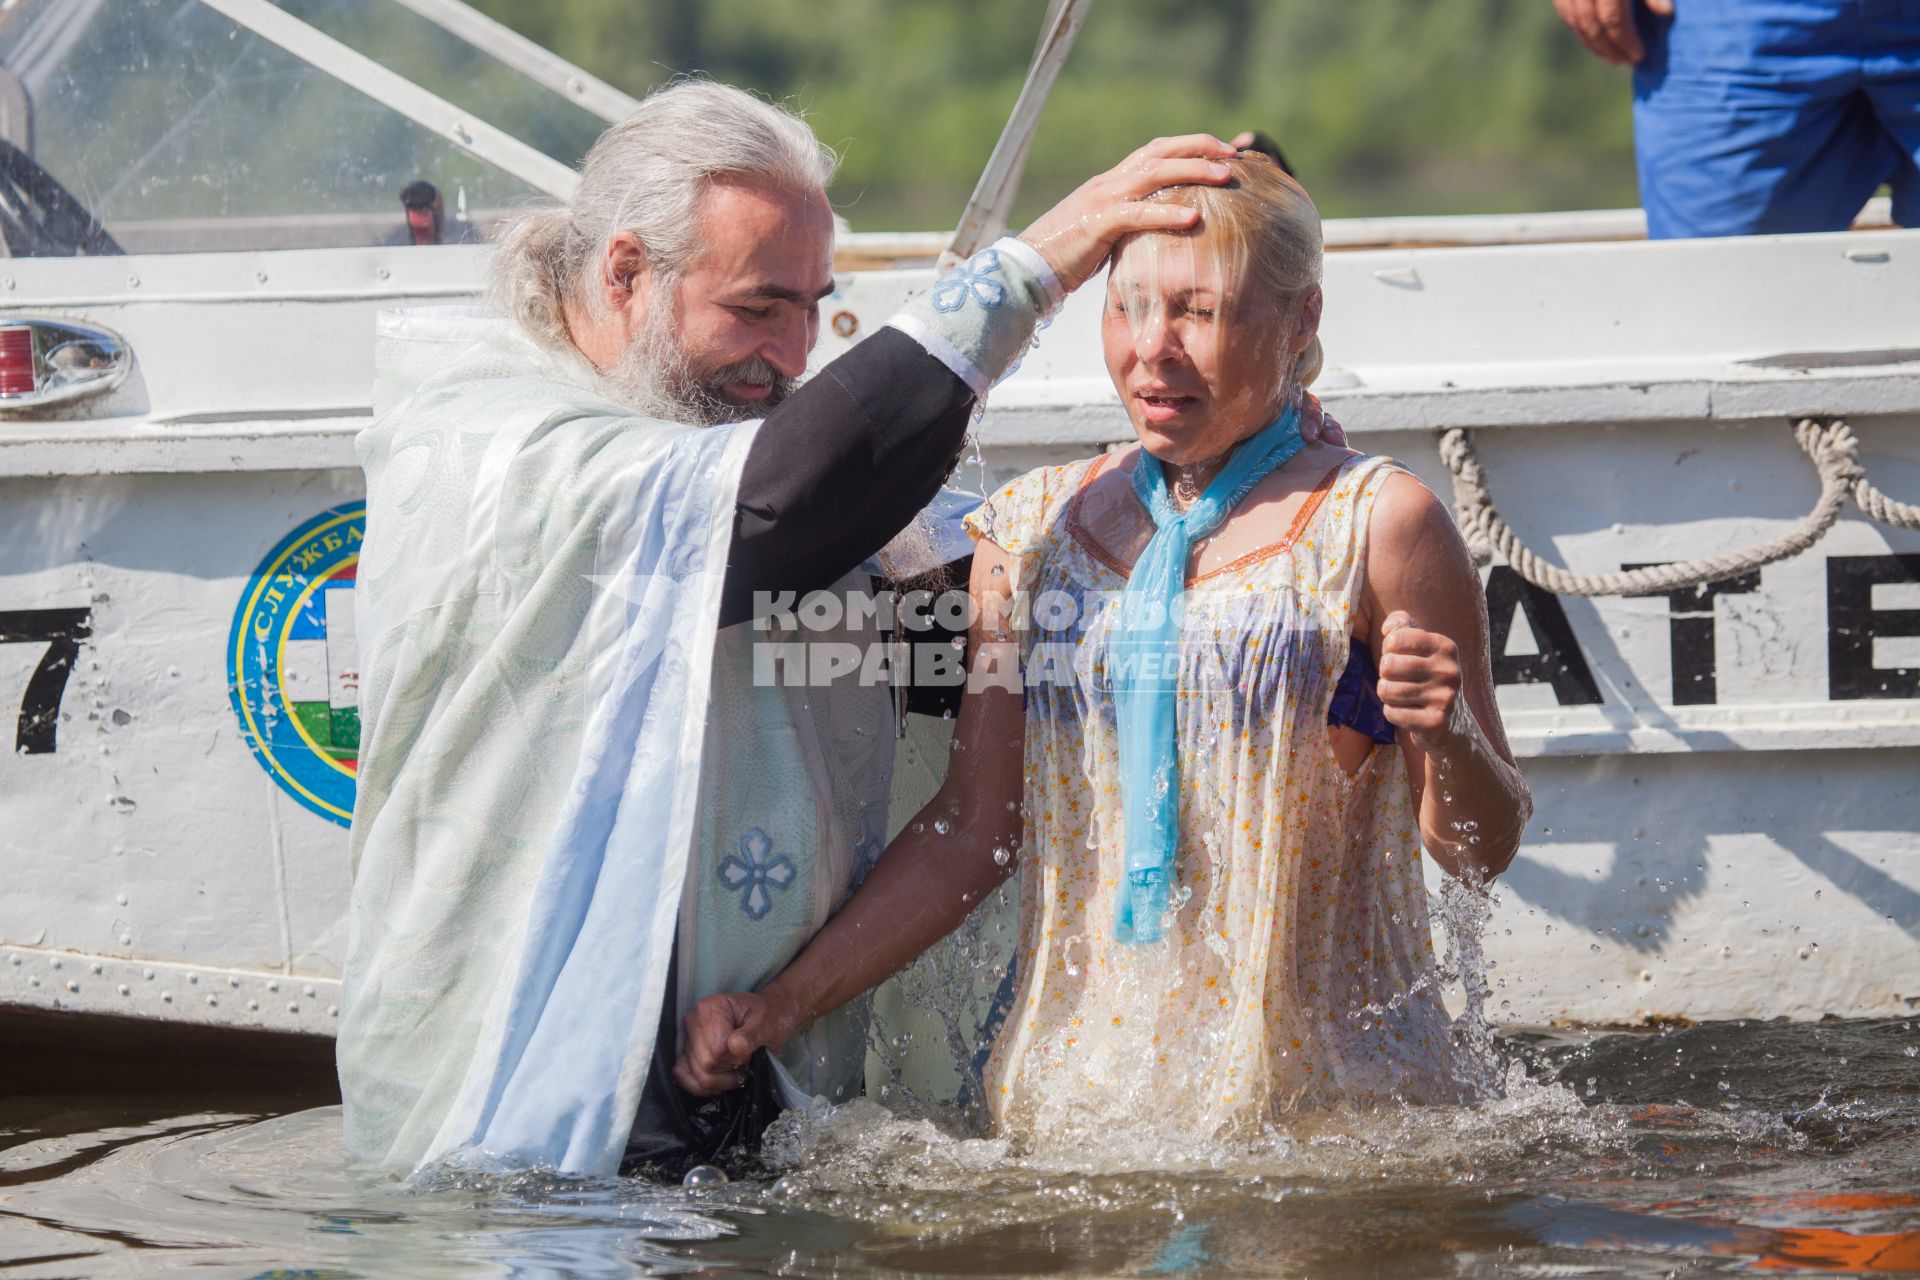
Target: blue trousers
[(1759, 116)]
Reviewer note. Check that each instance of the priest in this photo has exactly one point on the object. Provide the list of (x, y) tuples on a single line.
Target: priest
[(579, 811)]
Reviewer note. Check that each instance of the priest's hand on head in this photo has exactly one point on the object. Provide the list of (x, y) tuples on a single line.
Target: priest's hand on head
[(1076, 235), (721, 1034)]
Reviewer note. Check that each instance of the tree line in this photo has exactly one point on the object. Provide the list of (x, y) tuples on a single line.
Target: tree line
[(1382, 106)]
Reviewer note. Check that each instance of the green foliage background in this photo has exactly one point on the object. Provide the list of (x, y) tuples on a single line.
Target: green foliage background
[(1383, 106)]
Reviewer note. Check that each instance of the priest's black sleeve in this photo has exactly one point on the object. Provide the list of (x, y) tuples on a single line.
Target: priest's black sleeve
[(841, 467)]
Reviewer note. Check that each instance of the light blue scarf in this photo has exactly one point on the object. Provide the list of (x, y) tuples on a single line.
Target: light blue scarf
[(1145, 670)]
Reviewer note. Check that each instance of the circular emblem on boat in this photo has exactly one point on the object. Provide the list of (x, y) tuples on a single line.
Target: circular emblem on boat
[(293, 665)]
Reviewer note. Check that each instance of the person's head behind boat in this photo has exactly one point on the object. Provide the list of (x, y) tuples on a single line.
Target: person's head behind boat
[(1210, 333), (689, 264)]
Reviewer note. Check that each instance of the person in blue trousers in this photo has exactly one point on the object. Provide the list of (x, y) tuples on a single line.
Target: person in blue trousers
[(1765, 116)]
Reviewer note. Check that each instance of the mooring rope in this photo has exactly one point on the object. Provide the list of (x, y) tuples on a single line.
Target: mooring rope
[(1831, 446), (1882, 508)]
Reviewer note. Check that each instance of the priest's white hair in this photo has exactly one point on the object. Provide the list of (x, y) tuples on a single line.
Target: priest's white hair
[(648, 175)]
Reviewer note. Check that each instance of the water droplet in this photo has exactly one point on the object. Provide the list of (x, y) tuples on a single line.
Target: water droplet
[(1725, 1087), (1594, 947), (1002, 856), (704, 1175), (941, 826), (786, 1186)]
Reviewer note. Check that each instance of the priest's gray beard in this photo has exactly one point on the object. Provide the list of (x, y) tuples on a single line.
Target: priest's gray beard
[(657, 378)]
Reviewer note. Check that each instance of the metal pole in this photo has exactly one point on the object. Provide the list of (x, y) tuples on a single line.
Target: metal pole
[(476, 137), (531, 60), (985, 216)]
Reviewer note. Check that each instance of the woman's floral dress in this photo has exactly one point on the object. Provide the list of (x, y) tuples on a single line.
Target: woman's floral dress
[(1299, 970)]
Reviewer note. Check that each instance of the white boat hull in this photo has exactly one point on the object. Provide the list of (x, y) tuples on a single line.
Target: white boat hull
[(1726, 796)]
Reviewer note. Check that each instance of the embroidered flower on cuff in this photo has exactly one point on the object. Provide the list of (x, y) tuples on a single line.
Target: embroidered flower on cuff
[(973, 280), (753, 873)]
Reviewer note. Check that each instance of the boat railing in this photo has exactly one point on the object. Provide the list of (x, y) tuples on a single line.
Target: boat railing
[(876, 250)]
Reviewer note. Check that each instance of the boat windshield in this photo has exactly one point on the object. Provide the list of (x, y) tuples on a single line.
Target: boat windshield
[(161, 126)]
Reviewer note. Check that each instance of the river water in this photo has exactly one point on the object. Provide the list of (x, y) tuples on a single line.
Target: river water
[(1716, 1149)]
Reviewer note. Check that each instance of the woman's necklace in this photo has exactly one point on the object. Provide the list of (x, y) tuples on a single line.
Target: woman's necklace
[(1186, 484), (1189, 482)]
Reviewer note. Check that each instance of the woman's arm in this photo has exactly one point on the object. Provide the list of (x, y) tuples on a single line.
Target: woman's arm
[(1427, 619), (935, 872)]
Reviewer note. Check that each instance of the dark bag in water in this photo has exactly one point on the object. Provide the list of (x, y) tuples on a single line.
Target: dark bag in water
[(678, 1131), (675, 1131)]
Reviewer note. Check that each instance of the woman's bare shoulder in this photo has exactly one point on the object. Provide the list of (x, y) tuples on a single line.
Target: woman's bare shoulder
[(1405, 500), (1411, 531)]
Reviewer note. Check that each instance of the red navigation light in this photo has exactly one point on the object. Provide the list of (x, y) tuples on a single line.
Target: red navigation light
[(17, 375)]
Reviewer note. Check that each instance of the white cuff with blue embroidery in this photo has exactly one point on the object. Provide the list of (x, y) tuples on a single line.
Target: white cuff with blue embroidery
[(1029, 257), (979, 317)]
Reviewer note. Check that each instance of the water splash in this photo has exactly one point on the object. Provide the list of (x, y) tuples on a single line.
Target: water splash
[(1655, 1170)]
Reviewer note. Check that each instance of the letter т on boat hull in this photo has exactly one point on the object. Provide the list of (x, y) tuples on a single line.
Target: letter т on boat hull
[(1726, 818)]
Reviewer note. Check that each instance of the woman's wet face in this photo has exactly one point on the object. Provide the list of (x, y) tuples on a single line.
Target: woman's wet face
[(1198, 361)]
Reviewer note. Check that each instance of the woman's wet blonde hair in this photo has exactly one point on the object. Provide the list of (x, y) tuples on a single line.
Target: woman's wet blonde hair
[(1268, 226)]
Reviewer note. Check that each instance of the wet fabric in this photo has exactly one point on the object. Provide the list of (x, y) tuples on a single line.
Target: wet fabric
[(794, 789), (1144, 698), (1356, 699), (538, 603), (675, 1132), (1298, 968), (540, 584), (1763, 116)]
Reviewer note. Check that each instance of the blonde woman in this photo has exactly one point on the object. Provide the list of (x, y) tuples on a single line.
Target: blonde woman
[(1226, 685)]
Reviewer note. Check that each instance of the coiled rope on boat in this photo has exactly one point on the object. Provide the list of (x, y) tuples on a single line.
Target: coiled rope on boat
[(1830, 444)]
